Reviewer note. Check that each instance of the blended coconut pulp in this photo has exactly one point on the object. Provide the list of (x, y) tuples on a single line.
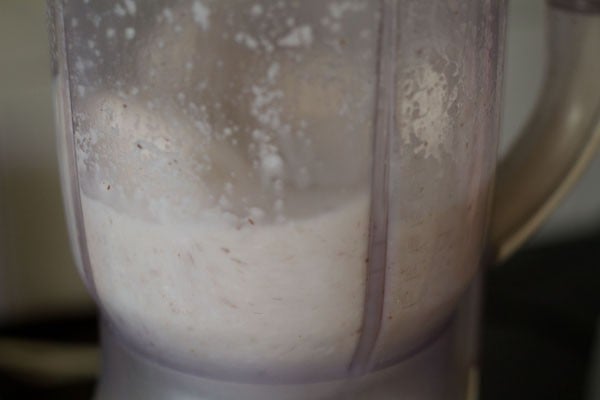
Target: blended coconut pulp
[(267, 301)]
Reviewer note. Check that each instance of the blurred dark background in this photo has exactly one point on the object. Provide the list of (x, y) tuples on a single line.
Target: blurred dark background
[(540, 333)]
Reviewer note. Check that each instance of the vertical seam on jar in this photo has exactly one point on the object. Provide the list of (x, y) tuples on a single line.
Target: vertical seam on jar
[(384, 125), (73, 170)]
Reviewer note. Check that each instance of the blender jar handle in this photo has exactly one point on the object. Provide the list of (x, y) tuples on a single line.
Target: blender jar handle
[(563, 133)]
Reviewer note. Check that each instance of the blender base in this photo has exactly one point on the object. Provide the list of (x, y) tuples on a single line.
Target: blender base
[(429, 375)]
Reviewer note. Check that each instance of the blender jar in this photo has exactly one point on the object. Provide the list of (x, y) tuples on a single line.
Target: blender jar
[(280, 199)]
